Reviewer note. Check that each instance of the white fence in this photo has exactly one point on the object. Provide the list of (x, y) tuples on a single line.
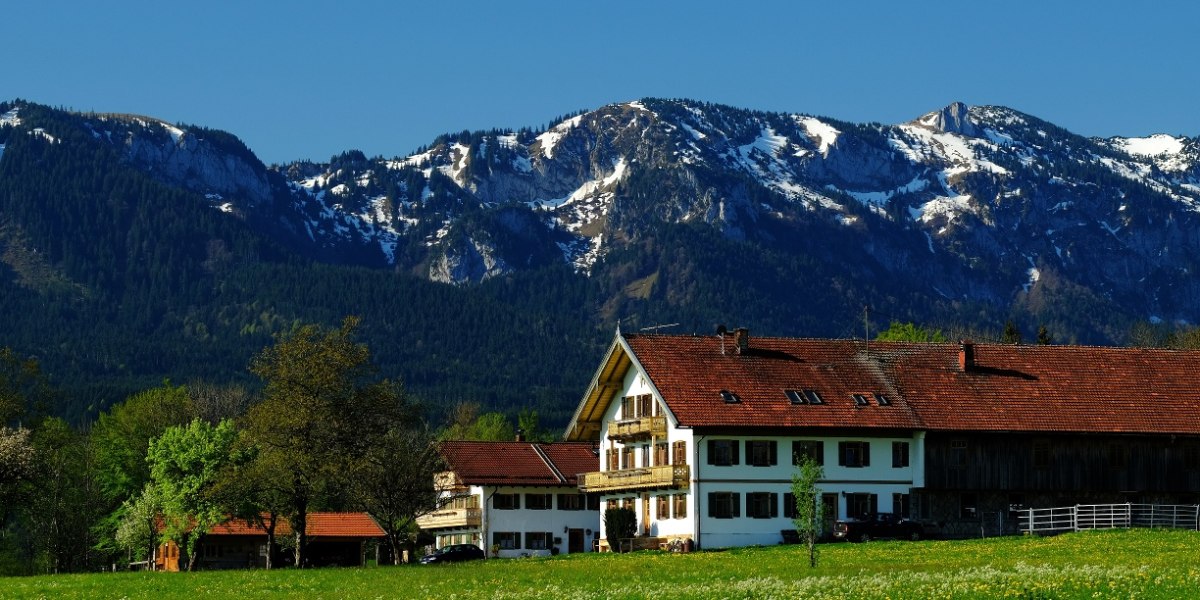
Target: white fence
[(1109, 516)]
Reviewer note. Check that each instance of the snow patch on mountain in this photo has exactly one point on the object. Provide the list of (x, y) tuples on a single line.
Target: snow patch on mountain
[(823, 134), (10, 118), (548, 140), (1155, 145)]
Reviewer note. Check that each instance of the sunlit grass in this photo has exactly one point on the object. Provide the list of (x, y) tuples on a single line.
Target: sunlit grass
[(1111, 564)]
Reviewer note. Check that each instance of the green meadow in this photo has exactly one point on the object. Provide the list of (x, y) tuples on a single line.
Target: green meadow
[(1103, 564)]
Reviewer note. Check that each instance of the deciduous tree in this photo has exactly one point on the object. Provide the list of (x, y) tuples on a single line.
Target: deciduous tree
[(808, 505), (323, 408)]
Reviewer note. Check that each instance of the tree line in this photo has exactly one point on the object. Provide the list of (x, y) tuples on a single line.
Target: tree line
[(326, 432)]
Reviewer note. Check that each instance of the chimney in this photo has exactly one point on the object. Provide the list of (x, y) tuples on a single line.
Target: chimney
[(966, 355), (520, 435), (741, 339)]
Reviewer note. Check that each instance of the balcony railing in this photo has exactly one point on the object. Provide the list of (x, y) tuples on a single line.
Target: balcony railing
[(633, 429), (455, 517), (645, 478)]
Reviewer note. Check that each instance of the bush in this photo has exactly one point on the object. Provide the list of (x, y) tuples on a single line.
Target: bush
[(619, 524)]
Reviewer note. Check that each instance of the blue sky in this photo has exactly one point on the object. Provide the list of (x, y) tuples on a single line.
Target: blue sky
[(304, 79)]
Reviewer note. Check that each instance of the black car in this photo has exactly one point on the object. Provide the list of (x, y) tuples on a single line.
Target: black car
[(455, 553), (878, 526)]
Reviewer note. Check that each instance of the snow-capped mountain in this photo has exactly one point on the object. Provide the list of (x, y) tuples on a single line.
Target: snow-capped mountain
[(979, 204)]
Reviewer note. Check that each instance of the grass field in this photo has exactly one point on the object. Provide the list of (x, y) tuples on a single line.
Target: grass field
[(1106, 564)]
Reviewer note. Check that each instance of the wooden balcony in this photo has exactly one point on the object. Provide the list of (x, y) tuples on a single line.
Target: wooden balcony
[(638, 429), (645, 478), (453, 517)]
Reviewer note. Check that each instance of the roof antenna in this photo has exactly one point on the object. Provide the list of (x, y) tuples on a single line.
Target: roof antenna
[(721, 331)]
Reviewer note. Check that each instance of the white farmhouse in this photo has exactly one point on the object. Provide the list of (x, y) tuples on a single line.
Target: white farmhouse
[(518, 498)]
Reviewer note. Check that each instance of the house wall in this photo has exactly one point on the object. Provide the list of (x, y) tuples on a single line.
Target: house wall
[(554, 520)]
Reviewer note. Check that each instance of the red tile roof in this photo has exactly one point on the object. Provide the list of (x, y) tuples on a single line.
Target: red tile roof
[(318, 525), (518, 463), (1011, 388)]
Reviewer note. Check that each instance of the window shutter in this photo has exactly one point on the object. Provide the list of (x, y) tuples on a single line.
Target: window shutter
[(866, 454), (712, 451), (712, 497), (517, 540), (841, 454), (774, 502), (773, 452), (874, 504), (735, 503), (734, 447)]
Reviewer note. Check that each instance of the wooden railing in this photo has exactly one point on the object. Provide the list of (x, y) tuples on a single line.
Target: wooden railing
[(455, 517), (632, 429), (645, 478)]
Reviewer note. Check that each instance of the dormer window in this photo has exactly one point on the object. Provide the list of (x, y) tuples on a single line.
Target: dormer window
[(804, 396), (730, 397)]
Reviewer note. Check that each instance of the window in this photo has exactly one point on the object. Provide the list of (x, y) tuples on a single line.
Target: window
[(538, 501), (899, 455), (902, 505), (680, 508), (762, 505), (645, 404), (958, 453), (813, 397), (724, 505), (789, 505), (506, 501), (660, 454), (859, 505), (507, 540), (614, 459), (812, 449), (593, 501), (730, 397), (1041, 454), (795, 396), (627, 457), (761, 453), (860, 399), (538, 540), (570, 501), (645, 456), (628, 407), (882, 400), (679, 453), (968, 506), (854, 454), (663, 508), (723, 452)]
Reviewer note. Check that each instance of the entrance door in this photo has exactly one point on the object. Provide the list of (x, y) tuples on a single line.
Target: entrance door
[(646, 514), (574, 541), (829, 513)]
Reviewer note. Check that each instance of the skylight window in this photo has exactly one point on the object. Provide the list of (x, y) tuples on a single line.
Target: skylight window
[(860, 400), (730, 397), (813, 397), (804, 397), (882, 400), (796, 397)]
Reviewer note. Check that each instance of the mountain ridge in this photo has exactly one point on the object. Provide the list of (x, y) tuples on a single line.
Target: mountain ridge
[(653, 211)]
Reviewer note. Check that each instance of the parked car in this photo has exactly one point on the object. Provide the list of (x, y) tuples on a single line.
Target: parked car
[(454, 553), (880, 526)]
